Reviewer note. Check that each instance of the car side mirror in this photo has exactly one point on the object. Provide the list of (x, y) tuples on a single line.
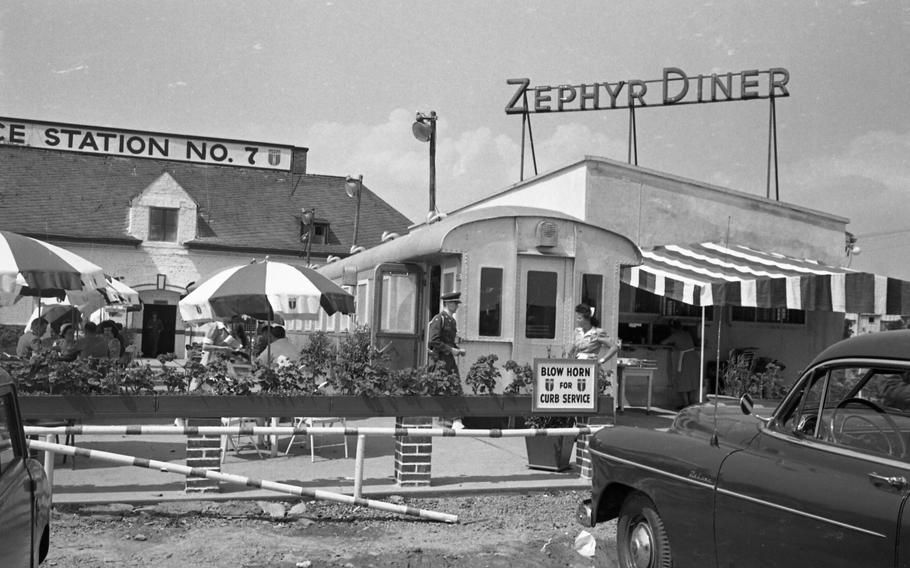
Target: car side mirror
[(746, 405)]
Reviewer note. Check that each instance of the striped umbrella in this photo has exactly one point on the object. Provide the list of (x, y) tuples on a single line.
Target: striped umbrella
[(30, 267), (263, 290)]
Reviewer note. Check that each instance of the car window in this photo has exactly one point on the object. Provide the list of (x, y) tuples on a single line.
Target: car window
[(7, 447), (858, 407)]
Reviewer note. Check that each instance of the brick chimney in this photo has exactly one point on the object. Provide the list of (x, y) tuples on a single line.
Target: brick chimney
[(298, 160)]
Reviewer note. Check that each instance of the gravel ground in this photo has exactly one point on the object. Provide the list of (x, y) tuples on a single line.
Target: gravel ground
[(514, 529)]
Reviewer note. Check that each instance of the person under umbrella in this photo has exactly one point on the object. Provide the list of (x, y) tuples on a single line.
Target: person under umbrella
[(280, 350), (91, 345), (30, 342), (66, 345)]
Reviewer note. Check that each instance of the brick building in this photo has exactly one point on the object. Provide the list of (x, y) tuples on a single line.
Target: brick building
[(162, 224)]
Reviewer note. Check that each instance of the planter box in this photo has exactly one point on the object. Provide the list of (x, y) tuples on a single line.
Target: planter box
[(550, 453), (93, 407), (86, 407)]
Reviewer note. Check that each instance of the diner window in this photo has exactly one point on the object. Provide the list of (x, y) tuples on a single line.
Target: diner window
[(768, 315), (591, 290), (362, 306), (163, 224), (398, 305), (540, 309), (490, 318)]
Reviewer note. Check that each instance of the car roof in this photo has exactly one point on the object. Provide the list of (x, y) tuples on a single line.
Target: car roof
[(883, 345)]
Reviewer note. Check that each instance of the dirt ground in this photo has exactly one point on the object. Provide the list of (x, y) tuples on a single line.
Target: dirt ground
[(526, 530)]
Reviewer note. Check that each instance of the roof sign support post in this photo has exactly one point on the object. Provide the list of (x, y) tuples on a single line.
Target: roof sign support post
[(633, 137), (772, 152), (526, 121)]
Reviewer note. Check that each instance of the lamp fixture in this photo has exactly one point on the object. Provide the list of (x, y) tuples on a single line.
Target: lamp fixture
[(424, 129)]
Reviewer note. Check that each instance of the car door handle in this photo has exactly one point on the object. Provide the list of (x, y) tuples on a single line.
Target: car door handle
[(893, 481)]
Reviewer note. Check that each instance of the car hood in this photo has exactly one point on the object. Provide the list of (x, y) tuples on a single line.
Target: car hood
[(725, 418)]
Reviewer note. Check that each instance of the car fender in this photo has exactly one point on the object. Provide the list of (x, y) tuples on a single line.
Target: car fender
[(43, 502)]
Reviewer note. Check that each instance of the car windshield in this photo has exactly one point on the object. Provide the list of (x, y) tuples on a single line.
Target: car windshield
[(860, 407)]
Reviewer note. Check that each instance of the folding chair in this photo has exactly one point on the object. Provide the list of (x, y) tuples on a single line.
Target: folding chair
[(235, 440), (310, 422)]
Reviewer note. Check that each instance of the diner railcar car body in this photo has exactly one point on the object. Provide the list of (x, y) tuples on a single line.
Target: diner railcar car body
[(520, 272)]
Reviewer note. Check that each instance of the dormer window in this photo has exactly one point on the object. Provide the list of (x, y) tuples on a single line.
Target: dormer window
[(163, 224), (320, 233), (319, 228)]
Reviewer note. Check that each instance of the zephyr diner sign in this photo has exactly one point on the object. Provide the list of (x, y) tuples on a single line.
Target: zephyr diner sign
[(675, 87)]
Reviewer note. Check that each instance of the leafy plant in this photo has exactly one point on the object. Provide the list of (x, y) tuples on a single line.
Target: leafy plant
[(522, 378), (739, 378), (483, 374), (549, 421), (173, 379)]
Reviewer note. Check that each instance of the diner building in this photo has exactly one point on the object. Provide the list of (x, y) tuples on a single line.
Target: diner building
[(162, 212), (746, 276)]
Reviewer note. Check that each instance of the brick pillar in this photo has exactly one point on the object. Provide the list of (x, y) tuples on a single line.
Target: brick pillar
[(582, 455), (203, 452), (413, 453)]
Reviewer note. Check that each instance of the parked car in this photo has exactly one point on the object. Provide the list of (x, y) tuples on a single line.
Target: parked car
[(822, 480), (25, 494)]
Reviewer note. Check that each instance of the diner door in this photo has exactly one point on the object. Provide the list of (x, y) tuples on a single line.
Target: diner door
[(540, 329), (397, 331)]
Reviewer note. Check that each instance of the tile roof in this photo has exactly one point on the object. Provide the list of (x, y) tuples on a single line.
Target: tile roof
[(46, 192)]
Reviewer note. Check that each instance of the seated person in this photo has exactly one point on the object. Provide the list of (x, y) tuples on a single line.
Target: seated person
[(280, 350), (218, 339), (66, 345), (111, 334), (30, 342), (91, 345)]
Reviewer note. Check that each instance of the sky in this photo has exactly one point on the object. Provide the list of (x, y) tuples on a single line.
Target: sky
[(346, 78)]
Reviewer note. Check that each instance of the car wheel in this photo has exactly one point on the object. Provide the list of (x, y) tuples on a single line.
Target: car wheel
[(641, 540)]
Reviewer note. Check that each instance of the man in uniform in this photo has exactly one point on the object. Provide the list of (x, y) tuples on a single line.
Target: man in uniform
[(442, 334), (441, 338)]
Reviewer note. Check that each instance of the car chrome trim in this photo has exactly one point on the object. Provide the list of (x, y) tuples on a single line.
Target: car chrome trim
[(734, 494), (694, 477), (827, 447), (779, 507)]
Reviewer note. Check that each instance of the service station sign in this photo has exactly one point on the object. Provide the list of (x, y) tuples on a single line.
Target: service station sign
[(565, 386), (139, 144)]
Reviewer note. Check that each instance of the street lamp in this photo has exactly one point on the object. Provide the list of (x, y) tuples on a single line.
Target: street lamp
[(307, 219), (353, 186), (424, 129)]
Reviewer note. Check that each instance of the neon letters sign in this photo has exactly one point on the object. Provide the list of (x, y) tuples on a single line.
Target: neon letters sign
[(675, 88)]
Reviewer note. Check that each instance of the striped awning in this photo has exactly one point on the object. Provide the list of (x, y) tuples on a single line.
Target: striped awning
[(710, 274)]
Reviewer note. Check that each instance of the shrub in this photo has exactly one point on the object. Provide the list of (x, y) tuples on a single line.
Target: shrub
[(483, 374), (739, 378), (522, 378)]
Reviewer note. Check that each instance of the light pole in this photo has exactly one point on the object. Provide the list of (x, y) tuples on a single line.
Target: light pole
[(307, 218), (353, 186), (424, 129)]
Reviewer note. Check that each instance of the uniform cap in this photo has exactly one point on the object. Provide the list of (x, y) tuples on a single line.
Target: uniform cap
[(452, 297)]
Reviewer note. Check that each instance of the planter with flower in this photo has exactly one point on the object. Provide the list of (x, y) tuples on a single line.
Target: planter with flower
[(549, 453), (482, 378)]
